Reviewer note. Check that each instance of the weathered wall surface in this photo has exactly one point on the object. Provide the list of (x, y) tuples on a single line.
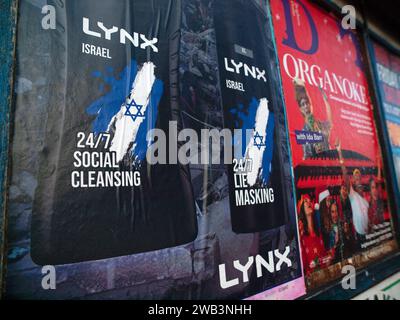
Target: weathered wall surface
[(8, 13)]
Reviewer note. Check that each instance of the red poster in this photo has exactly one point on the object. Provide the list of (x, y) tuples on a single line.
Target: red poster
[(343, 211)]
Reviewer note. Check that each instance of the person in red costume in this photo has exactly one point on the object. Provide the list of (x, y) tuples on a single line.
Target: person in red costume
[(376, 205), (313, 251)]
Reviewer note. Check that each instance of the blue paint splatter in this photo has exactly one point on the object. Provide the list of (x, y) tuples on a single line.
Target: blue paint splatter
[(149, 122), (246, 119), (109, 104), (269, 151)]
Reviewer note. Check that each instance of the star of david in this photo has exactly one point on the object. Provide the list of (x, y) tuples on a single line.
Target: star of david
[(259, 141), (134, 115)]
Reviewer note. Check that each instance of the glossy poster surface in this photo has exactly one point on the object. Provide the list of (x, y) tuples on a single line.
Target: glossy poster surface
[(85, 202), (343, 212), (388, 73), (389, 289)]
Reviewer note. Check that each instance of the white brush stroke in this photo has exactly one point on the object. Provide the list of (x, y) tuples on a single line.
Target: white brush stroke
[(252, 151), (125, 128)]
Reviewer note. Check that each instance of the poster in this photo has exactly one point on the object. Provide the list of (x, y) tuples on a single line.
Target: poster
[(87, 203), (343, 211), (388, 289), (257, 194), (97, 195), (388, 74)]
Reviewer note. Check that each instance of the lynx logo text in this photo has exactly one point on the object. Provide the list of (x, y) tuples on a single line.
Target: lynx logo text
[(99, 30), (273, 263), (242, 68)]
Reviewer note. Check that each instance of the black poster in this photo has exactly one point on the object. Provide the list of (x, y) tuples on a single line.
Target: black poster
[(255, 177), (113, 81)]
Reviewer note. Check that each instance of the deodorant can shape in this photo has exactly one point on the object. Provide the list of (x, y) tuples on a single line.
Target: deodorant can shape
[(255, 177), (114, 75)]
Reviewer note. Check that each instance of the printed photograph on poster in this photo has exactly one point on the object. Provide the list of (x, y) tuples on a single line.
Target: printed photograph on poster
[(343, 210)]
